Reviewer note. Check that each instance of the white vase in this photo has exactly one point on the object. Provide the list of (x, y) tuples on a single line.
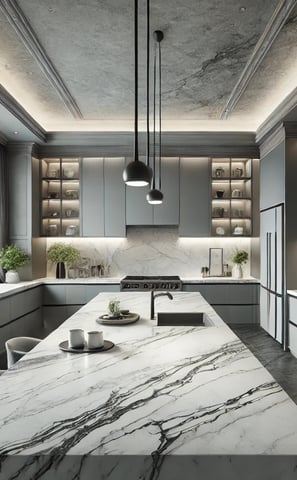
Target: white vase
[(12, 276), (237, 271)]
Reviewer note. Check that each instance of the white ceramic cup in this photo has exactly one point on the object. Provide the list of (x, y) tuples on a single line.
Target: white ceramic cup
[(94, 339), (76, 338)]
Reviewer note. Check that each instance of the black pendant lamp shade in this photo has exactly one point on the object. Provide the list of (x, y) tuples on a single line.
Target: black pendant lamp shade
[(154, 197), (137, 173)]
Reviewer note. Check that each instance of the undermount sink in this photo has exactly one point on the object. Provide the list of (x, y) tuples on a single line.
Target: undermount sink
[(183, 319)]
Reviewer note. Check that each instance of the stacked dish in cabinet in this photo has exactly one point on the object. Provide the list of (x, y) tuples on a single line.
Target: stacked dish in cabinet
[(231, 192), (60, 193)]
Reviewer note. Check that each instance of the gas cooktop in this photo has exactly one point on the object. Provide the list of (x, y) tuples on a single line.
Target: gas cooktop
[(151, 282)]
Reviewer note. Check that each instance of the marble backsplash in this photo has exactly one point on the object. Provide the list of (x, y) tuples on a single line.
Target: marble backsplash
[(154, 251)]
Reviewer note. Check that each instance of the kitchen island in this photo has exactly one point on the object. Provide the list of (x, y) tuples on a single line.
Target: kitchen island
[(165, 402)]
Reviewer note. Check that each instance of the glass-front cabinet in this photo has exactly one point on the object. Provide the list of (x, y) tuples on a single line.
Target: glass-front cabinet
[(60, 191), (231, 191)]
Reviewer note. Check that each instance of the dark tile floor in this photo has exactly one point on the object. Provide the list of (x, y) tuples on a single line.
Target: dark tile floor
[(282, 365)]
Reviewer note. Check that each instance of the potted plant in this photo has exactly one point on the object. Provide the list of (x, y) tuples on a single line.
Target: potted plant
[(11, 258), (239, 257), (61, 253)]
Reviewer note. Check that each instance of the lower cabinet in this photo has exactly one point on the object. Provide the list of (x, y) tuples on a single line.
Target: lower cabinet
[(21, 315), (62, 301), (235, 303), (292, 316)]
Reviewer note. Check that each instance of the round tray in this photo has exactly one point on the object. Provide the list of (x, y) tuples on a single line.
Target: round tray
[(107, 346), (121, 320)]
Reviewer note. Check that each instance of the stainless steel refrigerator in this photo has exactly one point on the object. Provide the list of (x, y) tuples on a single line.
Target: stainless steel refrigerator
[(272, 272)]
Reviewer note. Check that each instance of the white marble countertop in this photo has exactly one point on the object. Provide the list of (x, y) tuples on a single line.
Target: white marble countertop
[(160, 391)]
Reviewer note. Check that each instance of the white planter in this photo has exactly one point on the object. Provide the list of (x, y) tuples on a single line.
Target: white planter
[(12, 276), (237, 271)]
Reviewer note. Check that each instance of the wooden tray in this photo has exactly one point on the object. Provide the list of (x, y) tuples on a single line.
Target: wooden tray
[(121, 320), (65, 347)]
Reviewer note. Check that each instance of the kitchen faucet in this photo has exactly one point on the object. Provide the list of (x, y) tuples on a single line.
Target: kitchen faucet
[(153, 296)]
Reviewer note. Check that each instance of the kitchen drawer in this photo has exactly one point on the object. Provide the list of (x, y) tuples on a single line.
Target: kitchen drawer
[(292, 305), (25, 302), (93, 290), (5, 311), (30, 325), (227, 294), (75, 295), (54, 295)]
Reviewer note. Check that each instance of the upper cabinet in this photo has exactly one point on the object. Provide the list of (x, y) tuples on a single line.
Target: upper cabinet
[(103, 197), (140, 212), (83, 197), (203, 197), (194, 197), (231, 197), (60, 197), (272, 177)]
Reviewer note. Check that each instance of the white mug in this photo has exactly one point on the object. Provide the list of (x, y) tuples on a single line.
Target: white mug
[(76, 338), (94, 339)]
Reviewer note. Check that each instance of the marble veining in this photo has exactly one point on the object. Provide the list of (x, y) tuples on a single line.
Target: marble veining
[(161, 392)]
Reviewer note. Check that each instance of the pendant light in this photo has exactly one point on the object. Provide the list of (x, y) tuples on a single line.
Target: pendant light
[(155, 196), (136, 173)]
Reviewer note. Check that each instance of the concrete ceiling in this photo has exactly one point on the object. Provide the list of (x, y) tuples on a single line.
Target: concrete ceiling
[(70, 64)]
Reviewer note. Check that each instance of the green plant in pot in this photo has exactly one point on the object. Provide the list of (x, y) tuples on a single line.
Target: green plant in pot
[(11, 258), (61, 254), (239, 257)]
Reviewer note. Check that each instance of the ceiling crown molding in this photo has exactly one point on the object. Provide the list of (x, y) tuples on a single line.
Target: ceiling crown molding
[(273, 28), (19, 22), (277, 116), (108, 144), (21, 114)]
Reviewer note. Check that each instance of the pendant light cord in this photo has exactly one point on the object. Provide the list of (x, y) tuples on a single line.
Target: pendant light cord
[(154, 116), (136, 80), (160, 149), (148, 82)]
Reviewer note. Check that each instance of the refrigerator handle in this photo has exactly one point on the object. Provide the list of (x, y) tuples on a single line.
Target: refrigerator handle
[(267, 262), (269, 258)]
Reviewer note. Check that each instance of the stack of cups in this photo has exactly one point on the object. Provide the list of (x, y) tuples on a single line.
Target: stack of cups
[(77, 338)]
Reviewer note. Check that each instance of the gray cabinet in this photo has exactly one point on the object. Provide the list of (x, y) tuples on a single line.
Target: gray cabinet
[(92, 197), (140, 212), (102, 197), (168, 212), (114, 198), (272, 177), (93, 290), (194, 197), (24, 207), (21, 315), (235, 303), (62, 301)]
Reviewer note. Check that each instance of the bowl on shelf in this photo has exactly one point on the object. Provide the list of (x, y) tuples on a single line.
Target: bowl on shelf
[(71, 230), (71, 194)]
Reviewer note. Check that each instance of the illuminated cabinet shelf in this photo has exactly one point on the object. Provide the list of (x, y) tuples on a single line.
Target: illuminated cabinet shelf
[(60, 197), (231, 197)]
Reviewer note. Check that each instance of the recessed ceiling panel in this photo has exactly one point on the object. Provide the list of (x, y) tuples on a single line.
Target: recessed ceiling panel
[(90, 43)]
